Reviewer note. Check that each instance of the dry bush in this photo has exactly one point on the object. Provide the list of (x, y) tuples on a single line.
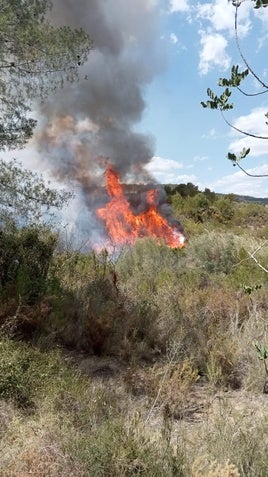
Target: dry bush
[(254, 330), (202, 324), (233, 430), (165, 386), (203, 469)]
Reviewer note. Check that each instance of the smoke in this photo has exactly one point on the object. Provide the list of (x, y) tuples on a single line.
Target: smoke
[(93, 121)]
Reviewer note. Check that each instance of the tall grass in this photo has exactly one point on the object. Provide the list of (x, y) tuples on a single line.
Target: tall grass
[(187, 400)]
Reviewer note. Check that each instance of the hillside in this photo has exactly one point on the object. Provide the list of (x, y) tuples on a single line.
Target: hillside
[(141, 362)]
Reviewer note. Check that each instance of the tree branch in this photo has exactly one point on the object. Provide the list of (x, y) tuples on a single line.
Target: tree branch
[(240, 130), (240, 51), (248, 173)]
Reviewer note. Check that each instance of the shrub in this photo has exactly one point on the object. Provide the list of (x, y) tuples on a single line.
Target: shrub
[(25, 256), (23, 372)]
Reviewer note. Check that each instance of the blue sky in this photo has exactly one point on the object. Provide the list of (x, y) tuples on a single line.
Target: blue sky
[(192, 142), (182, 48)]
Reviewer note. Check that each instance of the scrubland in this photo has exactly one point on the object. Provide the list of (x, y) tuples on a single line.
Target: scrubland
[(141, 361)]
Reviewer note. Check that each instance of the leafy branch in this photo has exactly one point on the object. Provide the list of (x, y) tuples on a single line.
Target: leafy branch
[(237, 76), (263, 356)]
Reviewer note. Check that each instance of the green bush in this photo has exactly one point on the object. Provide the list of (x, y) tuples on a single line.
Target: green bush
[(25, 256), (24, 372)]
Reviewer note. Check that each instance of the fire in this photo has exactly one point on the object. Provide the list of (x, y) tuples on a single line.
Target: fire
[(123, 226)]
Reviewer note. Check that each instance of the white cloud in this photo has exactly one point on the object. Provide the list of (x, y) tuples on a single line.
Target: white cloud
[(253, 123), (184, 178), (220, 16), (164, 170), (200, 158), (240, 183), (262, 14), (161, 164), (178, 6), (213, 52), (173, 38), (210, 135), (217, 25)]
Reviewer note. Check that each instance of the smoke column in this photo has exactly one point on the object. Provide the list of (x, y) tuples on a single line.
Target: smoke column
[(92, 121)]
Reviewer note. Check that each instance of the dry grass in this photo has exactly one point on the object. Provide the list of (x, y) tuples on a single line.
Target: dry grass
[(188, 399), (202, 469)]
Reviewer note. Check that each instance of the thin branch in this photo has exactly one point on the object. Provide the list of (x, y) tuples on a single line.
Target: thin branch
[(251, 94), (247, 173), (252, 255), (241, 54), (240, 130)]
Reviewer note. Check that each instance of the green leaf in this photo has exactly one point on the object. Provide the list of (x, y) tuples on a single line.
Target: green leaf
[(236, 77), (260, 3), (232, 157)]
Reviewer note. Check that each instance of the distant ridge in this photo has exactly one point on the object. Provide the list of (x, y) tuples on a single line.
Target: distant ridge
[(248, 198)]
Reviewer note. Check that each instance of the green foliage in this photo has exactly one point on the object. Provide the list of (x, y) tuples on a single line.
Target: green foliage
[(236, 158), (184, 190), (214, 252), (251, 215), (24, 372), (25, 256), (35, 58), (218, 102), (211, 196), (263, 356), (226, 208), (203, 207), (260, 3), (250, 289), (262, 351), (235, 79)]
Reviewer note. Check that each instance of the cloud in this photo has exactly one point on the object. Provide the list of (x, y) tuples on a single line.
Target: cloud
[(262, 14), (213, 52), (160, 164), (210, 135), (253, 123), (164, 170), (220, 16), (178, 6), (217, 25), (184, 178), (173, 38), (200, 158), (240, 183)]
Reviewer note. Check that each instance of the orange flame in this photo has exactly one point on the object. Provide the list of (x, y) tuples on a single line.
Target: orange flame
[(125, 227)]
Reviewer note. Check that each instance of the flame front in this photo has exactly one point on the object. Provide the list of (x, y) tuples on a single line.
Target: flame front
[(123, 226)]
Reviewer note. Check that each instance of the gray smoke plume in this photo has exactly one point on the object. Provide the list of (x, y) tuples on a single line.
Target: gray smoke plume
[(92, 122)]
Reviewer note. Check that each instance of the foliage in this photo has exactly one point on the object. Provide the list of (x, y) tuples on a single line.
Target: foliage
[(184, 190), (35, 58), (25, 255), (25, 197), (23, 373), (263, 356), (204, 207), (174, 330)]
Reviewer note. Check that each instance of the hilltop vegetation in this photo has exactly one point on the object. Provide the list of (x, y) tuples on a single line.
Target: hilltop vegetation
[(134, 363)]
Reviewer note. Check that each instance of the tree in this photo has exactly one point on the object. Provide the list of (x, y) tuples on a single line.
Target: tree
[(24, 196), (35, 58), (222, 103)]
